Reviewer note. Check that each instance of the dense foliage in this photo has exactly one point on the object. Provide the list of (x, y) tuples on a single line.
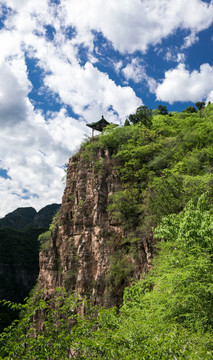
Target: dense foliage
[(166, 315), (162, 166), (165, 162)]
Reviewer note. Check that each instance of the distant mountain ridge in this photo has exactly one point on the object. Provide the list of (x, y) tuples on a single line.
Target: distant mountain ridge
[(19, 254), (25, 217)]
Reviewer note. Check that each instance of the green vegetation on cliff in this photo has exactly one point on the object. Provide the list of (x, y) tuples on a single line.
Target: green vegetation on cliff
[(165, 315), (166, 164), (166, 167), (162, 166)]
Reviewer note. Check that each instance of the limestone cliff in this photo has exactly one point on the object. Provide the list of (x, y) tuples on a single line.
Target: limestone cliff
[(84, 246)]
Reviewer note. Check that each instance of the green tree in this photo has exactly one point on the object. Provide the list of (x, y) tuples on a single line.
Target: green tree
[(64, 332), (126, 123), (190, 109), (200, 105), (162, 110), (124, 208), (143, 115)]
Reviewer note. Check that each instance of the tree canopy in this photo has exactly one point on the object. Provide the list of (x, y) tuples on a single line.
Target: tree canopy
[(165, 315), (200, 105), (162, 110), (143, 115)]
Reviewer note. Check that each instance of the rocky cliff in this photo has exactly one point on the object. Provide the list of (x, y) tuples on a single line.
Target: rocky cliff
[(84, 250)]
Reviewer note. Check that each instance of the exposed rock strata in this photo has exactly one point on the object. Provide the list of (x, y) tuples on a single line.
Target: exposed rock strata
[(85, 237)]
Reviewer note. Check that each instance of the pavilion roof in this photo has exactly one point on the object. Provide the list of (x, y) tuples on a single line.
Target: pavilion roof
[(98, 125)]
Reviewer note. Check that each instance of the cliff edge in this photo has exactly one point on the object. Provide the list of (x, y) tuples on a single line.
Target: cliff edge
[(83, 251)]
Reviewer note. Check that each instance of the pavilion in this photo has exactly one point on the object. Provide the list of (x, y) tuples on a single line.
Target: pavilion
[(98, 125)]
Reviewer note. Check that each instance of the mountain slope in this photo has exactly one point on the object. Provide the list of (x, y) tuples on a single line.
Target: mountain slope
[(123, 187), (118, 188)]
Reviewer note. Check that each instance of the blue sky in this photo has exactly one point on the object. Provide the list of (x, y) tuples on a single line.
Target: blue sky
[(66, 63)]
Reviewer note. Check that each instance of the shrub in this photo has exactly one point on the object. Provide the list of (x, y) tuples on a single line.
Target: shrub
[(44, 240)]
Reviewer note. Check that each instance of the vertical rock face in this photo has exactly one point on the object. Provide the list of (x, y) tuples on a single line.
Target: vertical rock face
[(85, 237)]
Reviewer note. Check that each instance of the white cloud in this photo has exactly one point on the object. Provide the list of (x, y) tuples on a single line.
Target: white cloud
[(16, 4), (136, 72), (118, 65), (33, 152), (210, 97), (13, 93), (133, 25), (1, 9), (173, 55), (181, 85), (129, 25), (152, 84), (10, 45), (59, 59), (33, 149), (170, 56), (180, 57), (88, 86), (66, 132), (190, 40)]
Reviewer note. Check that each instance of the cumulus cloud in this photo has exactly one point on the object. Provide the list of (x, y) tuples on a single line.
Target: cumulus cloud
[(118, 65), (136, 72), (133, 25), (34, 145), (89, 86), (13, 96), (33, 153), (174, 56), (16, 4), (190, 40), (129, 25), (182, 85)]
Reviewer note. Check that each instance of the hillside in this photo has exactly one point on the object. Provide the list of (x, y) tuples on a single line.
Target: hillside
[(136, 221)]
